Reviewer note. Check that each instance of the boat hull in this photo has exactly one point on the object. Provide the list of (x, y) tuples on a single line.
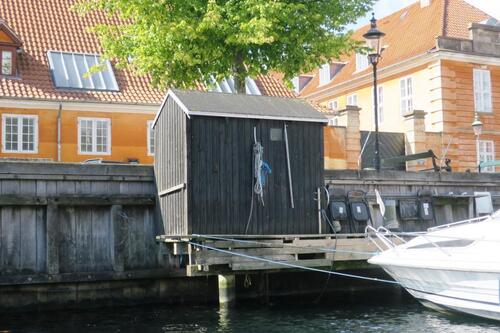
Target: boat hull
[(474, 293)]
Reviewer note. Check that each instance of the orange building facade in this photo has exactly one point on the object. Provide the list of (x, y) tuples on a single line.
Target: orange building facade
[(440, 67), (50, 109), (56, 136)]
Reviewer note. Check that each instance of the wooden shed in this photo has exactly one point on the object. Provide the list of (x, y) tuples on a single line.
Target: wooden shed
[(215, 151)]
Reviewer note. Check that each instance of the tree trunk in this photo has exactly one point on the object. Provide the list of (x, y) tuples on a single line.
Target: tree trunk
[(239, 74)]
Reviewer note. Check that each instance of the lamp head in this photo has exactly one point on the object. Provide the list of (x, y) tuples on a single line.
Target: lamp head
[(477, 125), (374, 36)]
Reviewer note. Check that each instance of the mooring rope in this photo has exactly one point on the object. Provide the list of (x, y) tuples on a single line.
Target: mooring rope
[(284, 245), (286, 264), (347, 275)]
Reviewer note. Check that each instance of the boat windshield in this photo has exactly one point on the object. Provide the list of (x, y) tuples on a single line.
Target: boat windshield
[(446, 243)]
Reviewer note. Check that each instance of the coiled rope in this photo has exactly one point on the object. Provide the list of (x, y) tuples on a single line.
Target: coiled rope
[(258, 189)]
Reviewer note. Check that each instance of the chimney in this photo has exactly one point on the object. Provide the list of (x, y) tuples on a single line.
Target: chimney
[(424, 3)]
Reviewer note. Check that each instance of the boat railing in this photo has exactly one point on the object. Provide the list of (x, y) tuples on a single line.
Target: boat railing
[(453, 224), (385, 236)]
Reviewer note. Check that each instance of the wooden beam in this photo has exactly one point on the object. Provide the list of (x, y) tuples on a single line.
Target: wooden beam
[(171, 190), (78, 200)]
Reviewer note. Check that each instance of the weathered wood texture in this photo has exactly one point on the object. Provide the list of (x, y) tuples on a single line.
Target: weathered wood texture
[(445, 188), (204, 173), (221, 169), (76, 220), (170, 167)]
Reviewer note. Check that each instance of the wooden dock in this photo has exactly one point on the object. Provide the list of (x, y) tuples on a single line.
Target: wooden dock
[(241, 254)]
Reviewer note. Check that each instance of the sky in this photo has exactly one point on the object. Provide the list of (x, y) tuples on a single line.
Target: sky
[(385, 7)]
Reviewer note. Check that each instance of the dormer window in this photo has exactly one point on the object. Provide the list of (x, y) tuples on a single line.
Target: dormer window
[(71, 71), (328, 71), (324, 74), (227, 86), (10, 44), (6, 59), (361, 62)]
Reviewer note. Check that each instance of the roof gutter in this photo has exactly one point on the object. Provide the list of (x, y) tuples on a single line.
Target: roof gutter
[(422, 59), (25, 103), (367, 78)]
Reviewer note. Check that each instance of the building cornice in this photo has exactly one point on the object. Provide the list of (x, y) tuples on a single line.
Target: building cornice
[(14, 103), (400, 67)]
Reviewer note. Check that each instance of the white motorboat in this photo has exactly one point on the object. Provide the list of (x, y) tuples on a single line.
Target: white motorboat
[(454, 267)]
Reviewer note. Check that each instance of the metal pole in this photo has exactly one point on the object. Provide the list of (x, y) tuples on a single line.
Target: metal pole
[(290, 184), (319, 210), (375, 103), (477, 154)]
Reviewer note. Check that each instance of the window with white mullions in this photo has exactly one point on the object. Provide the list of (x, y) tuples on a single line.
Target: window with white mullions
[(6, 58), (150, 138), (482, 90), (94, 136), (71, 70), (20, 133), (406, 88), (361, 62), (324, 74), (352, 100), (485, 153)]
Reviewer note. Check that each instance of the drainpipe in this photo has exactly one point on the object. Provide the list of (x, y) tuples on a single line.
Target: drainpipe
[(59, 133)]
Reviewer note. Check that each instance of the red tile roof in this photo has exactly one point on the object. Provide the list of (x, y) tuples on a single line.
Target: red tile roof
[(410, 32), (44, 25)]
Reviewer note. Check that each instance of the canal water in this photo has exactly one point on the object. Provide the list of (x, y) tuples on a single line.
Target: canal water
[(378, 314)]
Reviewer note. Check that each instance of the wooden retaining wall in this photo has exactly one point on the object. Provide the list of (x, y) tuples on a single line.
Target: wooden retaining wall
[(451, 191), (73, 234), (73, 222)]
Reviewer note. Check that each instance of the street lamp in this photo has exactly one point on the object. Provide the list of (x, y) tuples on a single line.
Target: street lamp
[(374, 41), (477, 127)]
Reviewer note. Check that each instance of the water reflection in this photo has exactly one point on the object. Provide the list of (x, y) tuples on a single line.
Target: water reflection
[(224, 321), (403, 316)]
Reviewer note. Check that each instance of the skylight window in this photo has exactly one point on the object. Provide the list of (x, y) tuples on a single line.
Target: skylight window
[(227, 86), (69, 69)]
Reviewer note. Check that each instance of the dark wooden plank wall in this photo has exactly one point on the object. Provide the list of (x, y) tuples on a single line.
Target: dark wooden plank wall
[(170, 166), (406, 185), (42, 233), (221, 167)]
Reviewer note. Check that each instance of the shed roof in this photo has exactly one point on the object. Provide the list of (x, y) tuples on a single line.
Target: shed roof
[(199, 103)]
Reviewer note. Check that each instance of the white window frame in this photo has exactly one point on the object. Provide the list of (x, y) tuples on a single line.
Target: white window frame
[(333, 104), (352, 97), (361, 62), (482, 90), (324, 74), (296, 84), (380, 97), (149, 137), (20, 117), (483, 153), (3, 62), (333, 121), (94, 135), (407, 98)]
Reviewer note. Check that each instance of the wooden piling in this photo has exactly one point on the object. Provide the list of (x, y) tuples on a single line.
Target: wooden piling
[(227, 294)]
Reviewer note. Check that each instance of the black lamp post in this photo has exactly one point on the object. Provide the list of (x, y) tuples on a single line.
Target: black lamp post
[(374, 40), (477, 127)]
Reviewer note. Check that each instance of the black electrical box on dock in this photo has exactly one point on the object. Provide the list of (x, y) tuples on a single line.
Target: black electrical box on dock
[(214, 151)]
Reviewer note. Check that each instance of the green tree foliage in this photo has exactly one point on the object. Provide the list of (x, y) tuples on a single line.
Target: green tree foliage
[(182, 42)]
